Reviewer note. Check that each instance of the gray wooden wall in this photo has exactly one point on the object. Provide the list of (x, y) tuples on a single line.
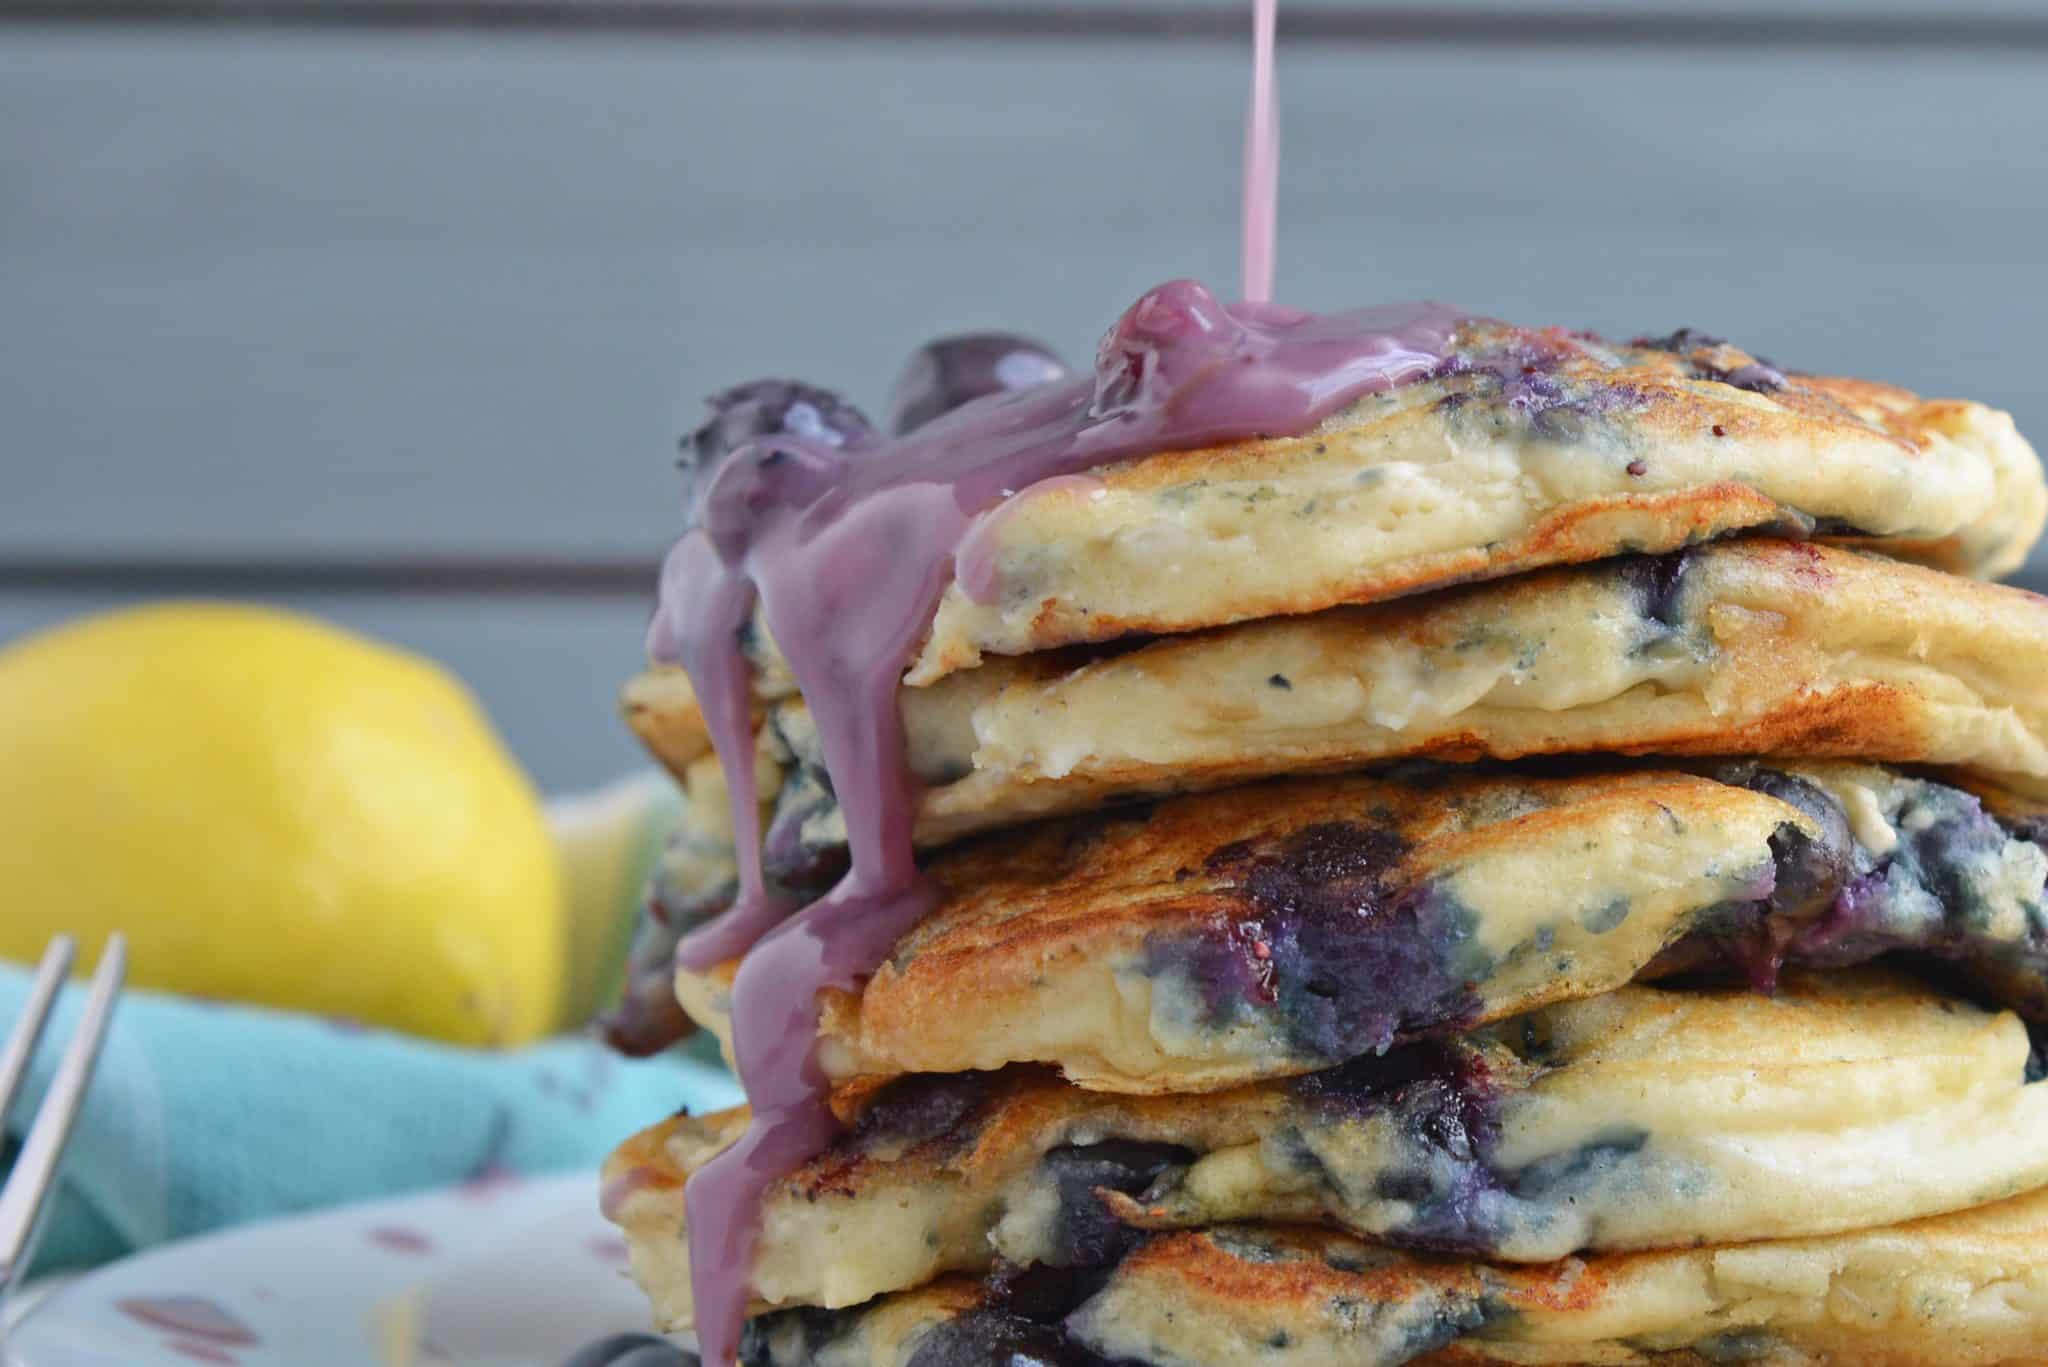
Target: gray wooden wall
[(393, 311)]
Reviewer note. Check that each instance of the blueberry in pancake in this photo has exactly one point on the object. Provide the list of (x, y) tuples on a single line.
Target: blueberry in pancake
[(1642, 1118), (1963, 1290), (1502, 449), (1277, 928), (1740, 648)]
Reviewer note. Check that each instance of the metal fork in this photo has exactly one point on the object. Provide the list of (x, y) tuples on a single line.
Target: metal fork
[(35, 1168)]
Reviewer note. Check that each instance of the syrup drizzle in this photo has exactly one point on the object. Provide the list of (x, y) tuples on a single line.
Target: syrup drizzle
[(844, 552), (1261, 160)]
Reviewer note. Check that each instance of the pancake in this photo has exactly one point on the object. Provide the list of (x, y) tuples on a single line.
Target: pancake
[(1755, 647), (1277, 928), (1643, 1118), (1962, 1290), (693, 877), (1533, 447), (1524, 448)]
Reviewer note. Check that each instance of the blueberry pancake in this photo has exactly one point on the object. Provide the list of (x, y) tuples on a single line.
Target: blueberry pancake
[(1643, 1118), (693, 878), (1278, 928), (1350, 838), (1519, 448), (1963, 1290), (1756, 647)]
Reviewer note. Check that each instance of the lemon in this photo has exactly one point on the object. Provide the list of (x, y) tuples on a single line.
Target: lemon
[(278, 812)]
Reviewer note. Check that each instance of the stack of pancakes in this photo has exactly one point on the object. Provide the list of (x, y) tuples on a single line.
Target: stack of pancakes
[(1547, 867)]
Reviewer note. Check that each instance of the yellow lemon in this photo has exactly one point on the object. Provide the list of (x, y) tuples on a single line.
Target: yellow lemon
[(279, 812)]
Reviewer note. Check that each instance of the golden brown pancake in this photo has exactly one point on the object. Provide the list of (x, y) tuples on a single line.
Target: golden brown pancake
[(1962, 1290), (1642, 1118), (1529, 448), (1193, 620), (1277, 928), (1753, 647)]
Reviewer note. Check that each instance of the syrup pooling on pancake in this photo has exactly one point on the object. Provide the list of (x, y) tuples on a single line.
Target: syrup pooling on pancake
[(846, 542)]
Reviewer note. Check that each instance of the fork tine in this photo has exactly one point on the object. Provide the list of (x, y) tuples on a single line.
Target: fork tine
[(35, 1169), (28, 1031)]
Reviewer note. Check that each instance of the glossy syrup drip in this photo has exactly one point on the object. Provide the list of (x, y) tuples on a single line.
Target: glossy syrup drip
[(846, 550), (1261, 160)]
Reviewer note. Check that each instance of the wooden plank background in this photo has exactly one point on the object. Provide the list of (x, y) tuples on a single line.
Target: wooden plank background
[(398, 323)]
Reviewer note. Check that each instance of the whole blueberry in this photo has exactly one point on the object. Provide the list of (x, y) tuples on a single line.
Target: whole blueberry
[(991, 1338), (1809, 870), (633, 1350), (1085, 1233), (762, 408), (951, 371), (647, 1018), (1683, 342)]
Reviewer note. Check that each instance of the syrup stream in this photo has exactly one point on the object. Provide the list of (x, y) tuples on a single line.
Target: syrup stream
[(1261, 160), (845, 552)]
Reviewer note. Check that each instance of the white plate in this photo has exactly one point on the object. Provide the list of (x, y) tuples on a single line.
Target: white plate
[(497, 1273)]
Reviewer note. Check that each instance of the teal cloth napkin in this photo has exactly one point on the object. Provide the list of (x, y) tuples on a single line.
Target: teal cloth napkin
[(205, 1115)]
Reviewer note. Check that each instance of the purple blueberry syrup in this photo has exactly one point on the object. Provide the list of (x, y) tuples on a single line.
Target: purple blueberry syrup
[(1261, 160), (846, 547)]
